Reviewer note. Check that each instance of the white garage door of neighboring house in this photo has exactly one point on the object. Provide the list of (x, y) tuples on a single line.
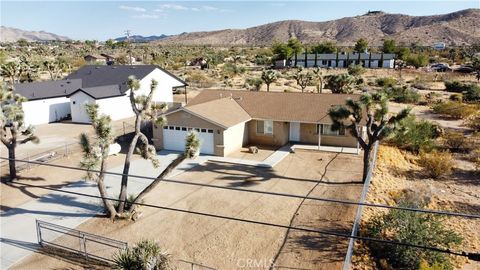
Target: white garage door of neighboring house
[(174, 139)]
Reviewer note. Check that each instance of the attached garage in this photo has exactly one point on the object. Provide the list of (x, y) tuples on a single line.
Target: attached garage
[(220, 127), (174, 138)]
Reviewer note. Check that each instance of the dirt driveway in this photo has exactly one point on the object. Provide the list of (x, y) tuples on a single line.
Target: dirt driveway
[(225, 244)]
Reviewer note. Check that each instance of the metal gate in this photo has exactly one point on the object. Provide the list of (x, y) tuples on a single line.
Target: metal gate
[(84, 244)]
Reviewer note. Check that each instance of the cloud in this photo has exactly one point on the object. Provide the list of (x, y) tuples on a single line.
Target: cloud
[(164, 7), (130, 8), (146, 16), (173, 6)]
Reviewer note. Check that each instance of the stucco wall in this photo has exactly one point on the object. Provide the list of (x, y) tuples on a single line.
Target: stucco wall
[(45, 111), (77, 105), (164, 92), (308, 133), (116, 107), (233, 138), (278, 138), (183, 119)]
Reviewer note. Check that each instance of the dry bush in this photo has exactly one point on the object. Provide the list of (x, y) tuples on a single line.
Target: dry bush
[(436, 164), (455, 141), (455, 110)]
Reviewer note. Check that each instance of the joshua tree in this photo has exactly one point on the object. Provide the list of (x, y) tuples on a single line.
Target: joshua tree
[(144, 109), (340, 83), (12, 125), (303, 78), (95, 153), (54, 68), (192, 147), (11, 70), (269, 76), (317, 72), (378, 123), (145, 255)]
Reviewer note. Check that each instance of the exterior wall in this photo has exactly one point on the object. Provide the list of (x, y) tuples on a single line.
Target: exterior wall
[(388, 63), (45, 111), (278, 138), (330, 60), (164, 92), (308, 134), (233, 138), (77, 105), (116, 107), (184, 119)]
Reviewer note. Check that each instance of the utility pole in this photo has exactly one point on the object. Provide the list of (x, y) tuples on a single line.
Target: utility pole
[(127, 34)]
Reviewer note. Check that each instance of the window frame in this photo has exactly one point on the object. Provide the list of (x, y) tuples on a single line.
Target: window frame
[(338, 133), (265, 126)]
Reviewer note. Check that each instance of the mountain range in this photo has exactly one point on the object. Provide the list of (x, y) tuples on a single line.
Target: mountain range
[(456, 28), (139, 38), (10, 34)]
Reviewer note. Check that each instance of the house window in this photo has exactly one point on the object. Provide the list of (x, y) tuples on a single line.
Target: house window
[(171, 127), (184, 128), (177, 128), (265, 127), (210, 130), (165, 127), (327, 130), (324, 62), (203, 130)]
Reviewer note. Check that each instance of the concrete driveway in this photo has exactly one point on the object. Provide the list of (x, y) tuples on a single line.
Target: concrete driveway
[(17, 231)]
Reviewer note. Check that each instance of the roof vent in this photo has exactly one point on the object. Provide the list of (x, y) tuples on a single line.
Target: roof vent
[(114, 67), (68, 82), (97, 67)]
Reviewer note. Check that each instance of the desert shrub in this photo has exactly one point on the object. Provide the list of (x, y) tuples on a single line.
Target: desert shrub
[(456, 97), (471, 91), (340, 83), (144, 255), (254, 83), (455, 141), (386, 81), (401, 94), (436, 164), (356, 70), (420, 84), (414, 135), (455, 110), (414, 228), (417, 60), (232, 69), (473, 122)]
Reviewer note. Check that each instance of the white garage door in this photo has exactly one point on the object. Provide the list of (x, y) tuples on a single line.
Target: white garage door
[(174, 138)]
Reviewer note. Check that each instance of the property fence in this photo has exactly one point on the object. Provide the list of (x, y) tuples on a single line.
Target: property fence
[(358, 216), (89, 246)]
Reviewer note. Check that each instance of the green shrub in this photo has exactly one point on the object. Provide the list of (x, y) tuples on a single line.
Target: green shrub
[(414, 228), (417, 60), (254, 83), (472, 94), (144, 255), (386, 81), (356, 70), (436, 164), (455, 110), (413, 135), (473, 122), (458, 97), (401, 94), (471, 91)]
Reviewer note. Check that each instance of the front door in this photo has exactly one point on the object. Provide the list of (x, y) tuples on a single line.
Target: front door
[(294, 131)]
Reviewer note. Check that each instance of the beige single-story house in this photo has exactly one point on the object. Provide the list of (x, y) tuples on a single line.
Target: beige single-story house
[(227, 120)]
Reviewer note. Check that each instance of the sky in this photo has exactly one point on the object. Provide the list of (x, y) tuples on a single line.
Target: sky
[(101, 20)]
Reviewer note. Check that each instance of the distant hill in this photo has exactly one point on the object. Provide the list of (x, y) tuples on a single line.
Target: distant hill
[(138, 38), (9, 34), (455, 28)]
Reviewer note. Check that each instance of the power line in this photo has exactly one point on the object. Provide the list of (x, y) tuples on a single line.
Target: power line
[(425, 211), (471, 256)]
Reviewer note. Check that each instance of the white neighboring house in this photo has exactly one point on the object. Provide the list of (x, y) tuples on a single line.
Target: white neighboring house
[(104, 85), (47, 101), (343, 60)]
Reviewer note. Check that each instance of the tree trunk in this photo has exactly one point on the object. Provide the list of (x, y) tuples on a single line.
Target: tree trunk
[(103, 192), (159, 178), (126, 169), (11, 163), (366, 162), (268, 87)]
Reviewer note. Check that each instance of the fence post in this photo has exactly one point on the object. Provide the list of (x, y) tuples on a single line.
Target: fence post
[(39, 233), (85, 248)]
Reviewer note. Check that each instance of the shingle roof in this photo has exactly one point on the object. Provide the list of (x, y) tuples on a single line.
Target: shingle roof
[(279, 106), (224, 111), (100, 92), (101, 78), (95, 75), (49, 89)]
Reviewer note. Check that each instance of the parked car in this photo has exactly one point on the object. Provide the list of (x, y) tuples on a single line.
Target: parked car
[(465, 69), (440, 67)]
